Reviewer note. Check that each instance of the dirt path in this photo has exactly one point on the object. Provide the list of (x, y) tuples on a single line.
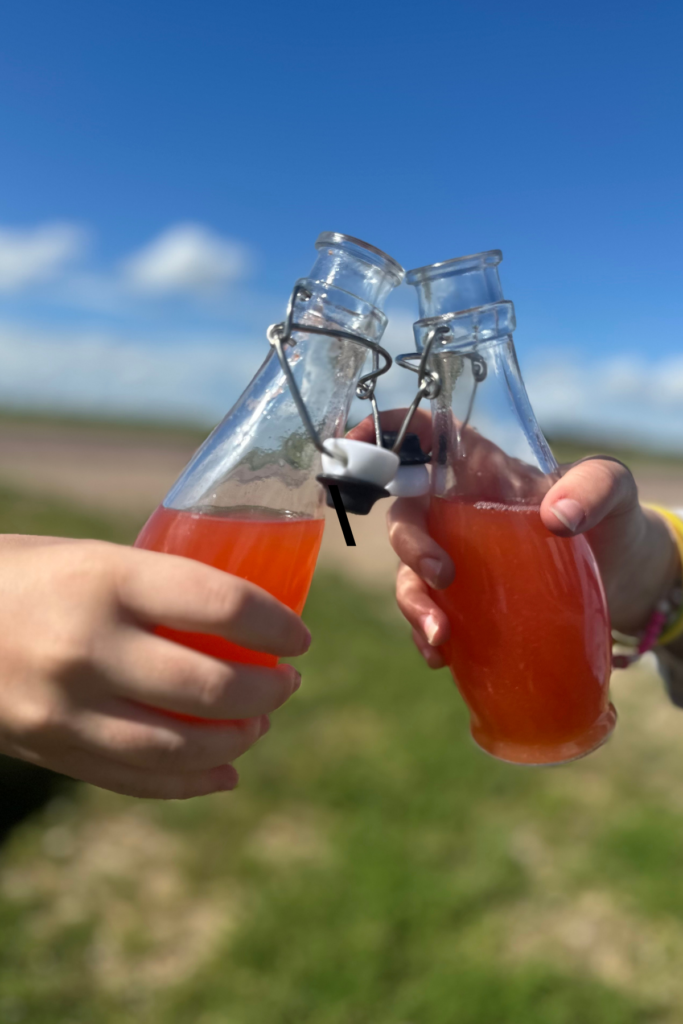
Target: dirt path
[(129, 472)]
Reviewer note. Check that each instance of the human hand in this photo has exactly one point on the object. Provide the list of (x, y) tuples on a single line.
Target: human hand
[(597, 496), (82, 671)]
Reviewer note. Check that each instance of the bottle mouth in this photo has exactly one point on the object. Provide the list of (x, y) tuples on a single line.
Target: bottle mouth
[(458, 265), (370, 253)]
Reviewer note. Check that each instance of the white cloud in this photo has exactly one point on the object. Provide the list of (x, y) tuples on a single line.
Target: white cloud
[(621, 400), (101, 373), (624, 400), (198, 377), (31, 255), (187, 258)]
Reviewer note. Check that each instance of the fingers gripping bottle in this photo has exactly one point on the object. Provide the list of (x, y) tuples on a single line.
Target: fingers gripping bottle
[(530, 646), (248, 502)]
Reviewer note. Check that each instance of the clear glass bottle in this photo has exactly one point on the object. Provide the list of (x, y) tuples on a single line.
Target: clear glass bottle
[(530, 649), (248, 502)]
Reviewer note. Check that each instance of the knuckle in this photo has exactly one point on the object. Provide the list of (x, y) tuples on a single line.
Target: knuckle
[(168, 748), (618, 481), (405, 606), (144, 745), (394, 529), (229, 599), (38, 721), (210, 686), (87, 565), (67, 655)]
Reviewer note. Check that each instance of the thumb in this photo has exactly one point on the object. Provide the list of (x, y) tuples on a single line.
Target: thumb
[(589, 492)]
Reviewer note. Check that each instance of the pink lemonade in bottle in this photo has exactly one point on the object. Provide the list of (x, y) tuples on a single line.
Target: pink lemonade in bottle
[(277, 553), (530, 645), (248, 502)]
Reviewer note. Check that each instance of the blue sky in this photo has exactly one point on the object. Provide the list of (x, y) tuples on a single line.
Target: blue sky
[(165, 169)]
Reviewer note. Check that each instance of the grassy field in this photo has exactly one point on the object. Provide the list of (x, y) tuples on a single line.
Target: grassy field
[(372, 867)]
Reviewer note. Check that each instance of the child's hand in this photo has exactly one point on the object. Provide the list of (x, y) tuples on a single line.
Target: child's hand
[(77, 655), (636, 554)]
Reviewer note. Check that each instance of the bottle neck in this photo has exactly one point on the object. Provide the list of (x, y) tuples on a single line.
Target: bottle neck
[(261, 456), (487, 444), (354, 268), (456, 285), (323, 305)]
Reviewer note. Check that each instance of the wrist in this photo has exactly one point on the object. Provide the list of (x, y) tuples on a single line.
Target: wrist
[(671, 637), (652, 571)]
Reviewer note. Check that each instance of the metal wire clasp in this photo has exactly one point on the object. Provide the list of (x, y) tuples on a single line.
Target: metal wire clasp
[(429, 384), (280, 335)]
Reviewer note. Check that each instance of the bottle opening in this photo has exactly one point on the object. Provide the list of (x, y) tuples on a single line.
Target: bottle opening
[(370, 253), (458, 284), (458, 265)]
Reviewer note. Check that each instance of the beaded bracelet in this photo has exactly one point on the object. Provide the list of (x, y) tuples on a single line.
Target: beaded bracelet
[(666, 622)]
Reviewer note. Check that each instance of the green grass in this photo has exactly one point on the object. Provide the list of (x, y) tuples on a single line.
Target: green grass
[(191, 431), (572, 449), (372, 868), (36, 514)]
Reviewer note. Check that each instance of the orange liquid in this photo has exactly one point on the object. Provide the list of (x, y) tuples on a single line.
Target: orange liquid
[(530, 649), (276, 553)]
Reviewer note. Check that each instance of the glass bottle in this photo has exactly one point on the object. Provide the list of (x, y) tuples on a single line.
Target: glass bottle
[(248, 502), (530, 648)]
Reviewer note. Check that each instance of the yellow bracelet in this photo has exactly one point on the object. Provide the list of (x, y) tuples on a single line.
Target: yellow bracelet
[(675, 524)]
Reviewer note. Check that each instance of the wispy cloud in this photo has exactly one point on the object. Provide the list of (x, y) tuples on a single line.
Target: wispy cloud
[(623, 399), (32, 255), (199, 379), (101, 373), (187, 258)]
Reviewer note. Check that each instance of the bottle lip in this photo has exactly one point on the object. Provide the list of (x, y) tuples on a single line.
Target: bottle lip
[(336, 237), (458, 265)]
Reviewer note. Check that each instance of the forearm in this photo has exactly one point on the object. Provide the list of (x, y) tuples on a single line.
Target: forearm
[(637, 583)]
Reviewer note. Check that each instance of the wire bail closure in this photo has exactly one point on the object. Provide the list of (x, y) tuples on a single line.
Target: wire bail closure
[(429, 384), (280, 335)]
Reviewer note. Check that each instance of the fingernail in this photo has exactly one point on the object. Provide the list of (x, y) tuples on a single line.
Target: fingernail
[(569, 512), (430, 569), (431, 628), (265, 726), (296, 680), (307, 642)]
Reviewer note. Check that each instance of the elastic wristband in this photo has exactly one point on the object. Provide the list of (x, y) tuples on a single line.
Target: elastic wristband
[(675, 525)]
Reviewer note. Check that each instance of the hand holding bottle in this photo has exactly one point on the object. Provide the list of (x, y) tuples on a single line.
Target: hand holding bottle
[(83, 672), (598, 497)]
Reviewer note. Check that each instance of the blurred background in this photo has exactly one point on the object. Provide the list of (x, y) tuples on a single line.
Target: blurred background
[(165, 171)]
